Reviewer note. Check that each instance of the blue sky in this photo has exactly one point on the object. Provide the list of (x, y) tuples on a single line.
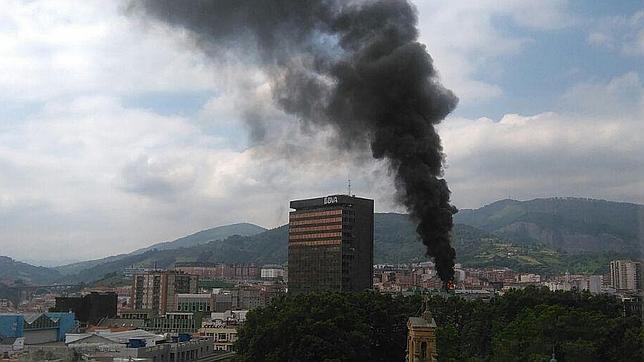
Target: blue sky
[(116, 132), (535, 78), (553, 58)]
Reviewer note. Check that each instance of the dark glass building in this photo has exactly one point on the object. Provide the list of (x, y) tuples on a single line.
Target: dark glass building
[(90, 308), (330, 244)]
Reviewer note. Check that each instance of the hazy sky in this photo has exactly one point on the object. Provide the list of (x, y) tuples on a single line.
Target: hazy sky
[(116, 133)]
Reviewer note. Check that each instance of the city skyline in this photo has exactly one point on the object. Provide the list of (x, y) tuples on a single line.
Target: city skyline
[(116, 134)]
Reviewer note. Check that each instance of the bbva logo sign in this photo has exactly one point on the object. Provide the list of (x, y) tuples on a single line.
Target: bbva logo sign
[(330, 200)]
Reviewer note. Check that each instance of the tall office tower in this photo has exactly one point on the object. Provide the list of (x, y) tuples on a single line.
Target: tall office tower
[(156, 290), (330, 244), (625, 275)]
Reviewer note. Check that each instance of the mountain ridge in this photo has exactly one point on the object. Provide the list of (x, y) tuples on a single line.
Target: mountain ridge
[(570, 224), (543, 235), (216, 233), (196, 238), (13, 270)]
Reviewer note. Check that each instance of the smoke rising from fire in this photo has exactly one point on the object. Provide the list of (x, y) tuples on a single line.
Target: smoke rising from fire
[(356, 66)]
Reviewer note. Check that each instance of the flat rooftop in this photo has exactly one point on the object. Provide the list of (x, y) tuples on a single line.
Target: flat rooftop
[(328, 201)]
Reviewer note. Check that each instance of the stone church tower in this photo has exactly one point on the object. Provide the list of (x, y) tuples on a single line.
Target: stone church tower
[(421, 338)]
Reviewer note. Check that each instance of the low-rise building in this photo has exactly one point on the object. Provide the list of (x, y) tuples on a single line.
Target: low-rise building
[(247, 296), (137, 314), (224, 300), (37, 328), (528, 278), (174, 322), (103, 345), (121, 324), (272, 272), (222, 328), (558, 285), (223, 334), (220, 271), (567, 282), (194, 303)]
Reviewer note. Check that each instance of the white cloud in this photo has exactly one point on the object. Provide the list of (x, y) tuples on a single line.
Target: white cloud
[(620, 97), (87, 174), (552, 154), (61, 49), (600, 39), (465, 41), (624, 33), (53, 49), (92, 175)]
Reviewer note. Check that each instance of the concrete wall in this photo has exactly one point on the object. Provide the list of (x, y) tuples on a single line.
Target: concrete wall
[(39, 336)]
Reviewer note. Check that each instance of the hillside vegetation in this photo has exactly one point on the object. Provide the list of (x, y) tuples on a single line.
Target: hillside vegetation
[(198, 238), (543, 235), (12, 270), (573, 225)]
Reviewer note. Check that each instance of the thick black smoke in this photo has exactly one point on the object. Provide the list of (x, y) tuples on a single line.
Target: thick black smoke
[(354, 65)]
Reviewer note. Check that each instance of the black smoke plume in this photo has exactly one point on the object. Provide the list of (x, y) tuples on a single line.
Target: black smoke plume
[(354, 65)]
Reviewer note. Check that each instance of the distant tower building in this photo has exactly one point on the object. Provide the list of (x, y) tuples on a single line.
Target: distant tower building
[(595, 284), (156, 290), (330, 244), (625, 275)]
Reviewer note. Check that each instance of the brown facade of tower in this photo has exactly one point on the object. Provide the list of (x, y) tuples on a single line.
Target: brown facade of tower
[(330, 244)]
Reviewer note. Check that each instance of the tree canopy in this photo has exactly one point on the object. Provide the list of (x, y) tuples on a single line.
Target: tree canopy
[(520, 325)]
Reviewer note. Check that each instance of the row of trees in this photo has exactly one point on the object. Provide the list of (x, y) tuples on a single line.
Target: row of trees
[(527, 325), (523, 325)]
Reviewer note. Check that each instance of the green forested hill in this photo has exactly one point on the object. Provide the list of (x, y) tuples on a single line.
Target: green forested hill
[(395, 239), (543, 235), (12, 270), (488, 240), (198, 238), (394, 242), (573, 225), (266, 247), (205, 236)]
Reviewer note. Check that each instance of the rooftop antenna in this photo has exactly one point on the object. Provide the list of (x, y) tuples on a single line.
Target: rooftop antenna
[(349, 186)]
